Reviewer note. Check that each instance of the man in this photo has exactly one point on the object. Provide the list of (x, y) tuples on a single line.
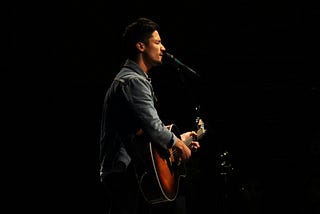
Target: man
[(129, 115)]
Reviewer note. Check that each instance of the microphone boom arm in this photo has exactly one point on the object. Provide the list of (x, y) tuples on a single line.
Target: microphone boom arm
[(180, 64)]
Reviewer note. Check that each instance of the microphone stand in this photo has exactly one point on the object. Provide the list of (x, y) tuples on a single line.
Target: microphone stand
[(226, 170), (181, 67)]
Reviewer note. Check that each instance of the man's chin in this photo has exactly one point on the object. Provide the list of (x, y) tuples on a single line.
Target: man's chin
[(157, 63)]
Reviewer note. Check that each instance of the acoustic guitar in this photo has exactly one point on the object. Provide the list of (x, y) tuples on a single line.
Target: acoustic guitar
[(161, 172)]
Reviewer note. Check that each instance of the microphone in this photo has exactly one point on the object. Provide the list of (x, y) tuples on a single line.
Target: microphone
[(179, 64)]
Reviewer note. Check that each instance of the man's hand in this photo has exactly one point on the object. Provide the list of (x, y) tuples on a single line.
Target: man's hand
[(183, 151)]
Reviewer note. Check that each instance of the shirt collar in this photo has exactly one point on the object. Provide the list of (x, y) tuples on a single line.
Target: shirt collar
[(132, 64)]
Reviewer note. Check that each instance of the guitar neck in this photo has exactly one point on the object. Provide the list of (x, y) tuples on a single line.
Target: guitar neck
[(189, 140)]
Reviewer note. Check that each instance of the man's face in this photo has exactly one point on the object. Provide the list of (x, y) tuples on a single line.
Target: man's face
[(154, 50)]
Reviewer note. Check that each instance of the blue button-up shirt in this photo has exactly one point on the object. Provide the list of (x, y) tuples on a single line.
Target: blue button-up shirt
[(129, 106)]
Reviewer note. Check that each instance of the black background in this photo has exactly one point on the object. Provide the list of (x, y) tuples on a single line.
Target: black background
[(258, 96)]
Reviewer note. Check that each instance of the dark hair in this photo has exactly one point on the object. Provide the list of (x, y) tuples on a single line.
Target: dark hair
[(138, 31)]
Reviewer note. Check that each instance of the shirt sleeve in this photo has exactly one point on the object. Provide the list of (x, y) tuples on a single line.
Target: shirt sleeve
[(141, 101)]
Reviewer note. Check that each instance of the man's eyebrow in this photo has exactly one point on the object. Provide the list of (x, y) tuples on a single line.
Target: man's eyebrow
[(157, 40)]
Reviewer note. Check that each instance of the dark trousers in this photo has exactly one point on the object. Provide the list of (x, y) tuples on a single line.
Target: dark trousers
[(124, 197)]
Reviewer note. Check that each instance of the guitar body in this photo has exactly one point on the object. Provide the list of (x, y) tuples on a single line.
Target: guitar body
[(159, 172), (160, 183)]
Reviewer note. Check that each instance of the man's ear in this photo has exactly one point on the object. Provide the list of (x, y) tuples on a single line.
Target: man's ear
[(140, 46)]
